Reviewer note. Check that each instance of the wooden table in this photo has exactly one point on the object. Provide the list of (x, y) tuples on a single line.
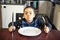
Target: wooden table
[(6, 35)]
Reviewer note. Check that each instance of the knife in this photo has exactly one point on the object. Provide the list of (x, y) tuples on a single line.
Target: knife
[(12, 25)]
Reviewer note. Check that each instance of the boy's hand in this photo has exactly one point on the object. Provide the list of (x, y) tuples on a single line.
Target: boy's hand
[(46, 29), (11, 28)]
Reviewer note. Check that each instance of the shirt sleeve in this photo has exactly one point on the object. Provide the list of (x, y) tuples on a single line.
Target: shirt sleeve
[(41, 23), (48, 25), (17, 24)]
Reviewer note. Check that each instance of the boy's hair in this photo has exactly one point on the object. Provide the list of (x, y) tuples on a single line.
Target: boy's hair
[(29, 7)]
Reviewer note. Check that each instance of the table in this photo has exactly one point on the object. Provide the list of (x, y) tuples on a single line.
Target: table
[(6, 35)]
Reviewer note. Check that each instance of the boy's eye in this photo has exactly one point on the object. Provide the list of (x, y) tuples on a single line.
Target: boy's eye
[(25, 12), (30, 13)]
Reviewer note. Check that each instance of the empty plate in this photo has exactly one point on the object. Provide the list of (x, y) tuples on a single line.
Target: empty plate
[(29, 31)]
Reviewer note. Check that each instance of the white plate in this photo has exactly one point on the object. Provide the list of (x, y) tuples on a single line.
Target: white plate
[(29, 31)]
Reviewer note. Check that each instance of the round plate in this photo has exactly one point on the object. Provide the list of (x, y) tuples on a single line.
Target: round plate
[(29, 31)]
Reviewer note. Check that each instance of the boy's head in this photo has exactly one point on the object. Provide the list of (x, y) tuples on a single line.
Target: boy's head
[(29, 13)]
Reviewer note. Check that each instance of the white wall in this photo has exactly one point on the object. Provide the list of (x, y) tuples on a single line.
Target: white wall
[(7, 13)]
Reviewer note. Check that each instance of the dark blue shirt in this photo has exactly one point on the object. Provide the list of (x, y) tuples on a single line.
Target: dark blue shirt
[(34, 23)]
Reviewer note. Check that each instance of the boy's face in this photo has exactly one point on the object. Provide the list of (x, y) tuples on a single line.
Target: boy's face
[(29, 14)]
